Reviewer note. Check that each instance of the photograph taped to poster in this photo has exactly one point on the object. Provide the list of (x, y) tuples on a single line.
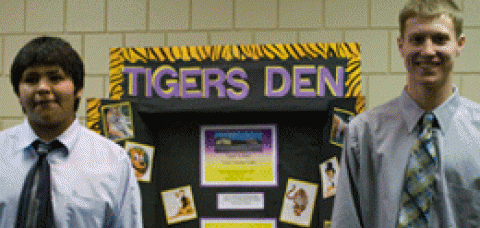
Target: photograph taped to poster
[(329, 172), (141, 156), (117, 121), (179, 205), (340, 120), (298, 202), (238, 155), (237, 223)]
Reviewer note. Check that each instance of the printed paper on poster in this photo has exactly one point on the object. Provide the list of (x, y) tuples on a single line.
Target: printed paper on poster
[(141, 156), (238, 223), (179, 205), (329, 172), (238, 155), (299, 202)]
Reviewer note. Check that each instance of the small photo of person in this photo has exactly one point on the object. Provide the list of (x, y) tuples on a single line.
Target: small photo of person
[(179, 205), (329, 172), (141, 156), (117, 121), (340, 120)]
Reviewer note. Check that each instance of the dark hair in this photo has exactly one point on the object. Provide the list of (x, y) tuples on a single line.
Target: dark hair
[(50, 51), (432, 8)]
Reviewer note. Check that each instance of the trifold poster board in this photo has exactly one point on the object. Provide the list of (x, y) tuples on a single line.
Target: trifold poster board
[(232, 136)]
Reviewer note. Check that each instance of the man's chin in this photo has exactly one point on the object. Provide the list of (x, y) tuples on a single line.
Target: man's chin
[(47, 120), (430, 83)]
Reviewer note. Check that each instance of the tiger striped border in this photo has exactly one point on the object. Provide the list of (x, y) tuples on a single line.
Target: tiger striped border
[(118, 56), (94, 115)]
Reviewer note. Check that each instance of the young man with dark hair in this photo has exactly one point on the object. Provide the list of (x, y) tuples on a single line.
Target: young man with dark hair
[(55, 172), (415, 161)]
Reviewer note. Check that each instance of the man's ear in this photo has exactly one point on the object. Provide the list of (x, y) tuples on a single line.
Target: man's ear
[(79, 93), (460, 44), (400, 45)]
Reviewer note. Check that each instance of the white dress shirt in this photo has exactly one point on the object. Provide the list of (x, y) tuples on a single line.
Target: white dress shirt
[(92, 182)]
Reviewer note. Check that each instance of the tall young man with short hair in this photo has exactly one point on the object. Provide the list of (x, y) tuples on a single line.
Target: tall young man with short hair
[(415, 161), (53, 171)]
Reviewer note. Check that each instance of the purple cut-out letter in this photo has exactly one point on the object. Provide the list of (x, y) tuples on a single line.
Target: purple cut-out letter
[(187, 75), (217, 83), (237, 83), (172, 86), (305, 82), (133, 73), (326, 79), (286, 82)]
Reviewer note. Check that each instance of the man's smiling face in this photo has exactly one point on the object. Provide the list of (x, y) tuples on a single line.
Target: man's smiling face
[(428, 47), (48, 95)]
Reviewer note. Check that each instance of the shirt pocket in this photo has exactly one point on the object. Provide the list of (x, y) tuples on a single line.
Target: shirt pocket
[(86, 212)]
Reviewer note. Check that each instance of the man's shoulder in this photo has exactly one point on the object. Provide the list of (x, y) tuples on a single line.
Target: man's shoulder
[(471, 107), (379, 113), (12, 131), (469, 104), (98, 141)]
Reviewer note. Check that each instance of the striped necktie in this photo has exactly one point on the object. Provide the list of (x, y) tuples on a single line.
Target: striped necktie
[(35, 205), (416, 198)]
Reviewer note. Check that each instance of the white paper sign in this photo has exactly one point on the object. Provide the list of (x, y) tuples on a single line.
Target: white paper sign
[(240, 201)]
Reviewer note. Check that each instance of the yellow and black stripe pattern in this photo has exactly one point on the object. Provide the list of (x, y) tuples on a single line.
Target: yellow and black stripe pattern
[(94, 115), (360, 104), (349, 51)]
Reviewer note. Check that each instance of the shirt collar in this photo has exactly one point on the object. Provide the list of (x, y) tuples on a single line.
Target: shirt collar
[(28, 136), (443, 113)]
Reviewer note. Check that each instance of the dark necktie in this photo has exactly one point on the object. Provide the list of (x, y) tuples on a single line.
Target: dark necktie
[(35, 205), (418, 190)]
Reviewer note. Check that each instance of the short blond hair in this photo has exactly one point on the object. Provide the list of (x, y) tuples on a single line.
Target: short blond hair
[(431, 8)]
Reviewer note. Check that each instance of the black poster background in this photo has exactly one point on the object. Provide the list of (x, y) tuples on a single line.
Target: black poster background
[(303, 144)]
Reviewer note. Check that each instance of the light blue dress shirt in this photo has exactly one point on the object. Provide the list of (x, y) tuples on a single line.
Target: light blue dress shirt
[(93, 184), (375, 154)]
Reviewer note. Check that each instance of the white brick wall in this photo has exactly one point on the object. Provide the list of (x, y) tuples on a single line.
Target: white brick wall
[(231, 37), (97, 48), (1, 57), (85, 16), (275, 37), (212, 14), (12, 16), (471, 12), (93, 26), (256, 14), (144, 39), (169, 15), (468, 60), (346, 13), (374, 50), (300, 14), (323, 36), (187, 39), (44, 16), (126, 15), (384, 13)]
